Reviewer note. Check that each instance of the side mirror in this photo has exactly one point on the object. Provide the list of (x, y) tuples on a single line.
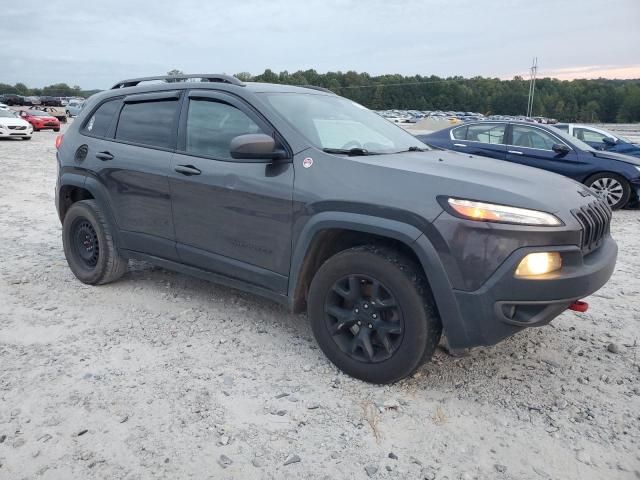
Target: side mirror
[(255, 147), (560, 148), (609, 141)]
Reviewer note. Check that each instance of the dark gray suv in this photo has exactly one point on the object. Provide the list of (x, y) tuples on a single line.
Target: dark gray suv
[(312, 200)]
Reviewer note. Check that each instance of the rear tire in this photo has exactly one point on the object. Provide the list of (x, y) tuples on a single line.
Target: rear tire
[(611, 187), (372, 314), (89, 246)]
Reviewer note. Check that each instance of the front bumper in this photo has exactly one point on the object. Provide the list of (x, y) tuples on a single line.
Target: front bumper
[(14, 133), (46, 125), (504, 304)]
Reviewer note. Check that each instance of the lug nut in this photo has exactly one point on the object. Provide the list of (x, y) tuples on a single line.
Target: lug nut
[(366, 306), (370, 326), (374, 316), (356, 310), (359, 322)]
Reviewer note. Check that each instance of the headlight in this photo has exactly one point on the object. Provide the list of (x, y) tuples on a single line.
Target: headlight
[(539, 263), (489, 212)]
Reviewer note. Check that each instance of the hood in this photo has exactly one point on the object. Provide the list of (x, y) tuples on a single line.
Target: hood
[(616, 156), (13, 121), (476, 178)]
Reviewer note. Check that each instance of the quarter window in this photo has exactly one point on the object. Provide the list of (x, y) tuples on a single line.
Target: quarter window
[(459, 133), (148, 123), (99, 123), (528, 137), (211, 126), (486, 133)]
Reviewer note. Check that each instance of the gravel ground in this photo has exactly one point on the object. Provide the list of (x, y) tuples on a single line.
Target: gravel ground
[(164, 376)]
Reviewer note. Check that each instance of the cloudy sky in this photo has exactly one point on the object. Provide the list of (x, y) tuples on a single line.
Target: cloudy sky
[(95, 43)]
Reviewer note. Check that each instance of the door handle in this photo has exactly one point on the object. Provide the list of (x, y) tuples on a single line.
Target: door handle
[(187, 170), (459, 145), (515, 152), (104, 156)]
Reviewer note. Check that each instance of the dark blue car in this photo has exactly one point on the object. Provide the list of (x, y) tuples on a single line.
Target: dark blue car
[(600, 139), (614, 176)]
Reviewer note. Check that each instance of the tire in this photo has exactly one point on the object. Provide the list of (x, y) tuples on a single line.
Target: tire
[(68, 113), (345, 286), (56, 129), (26, 138), (36, 129), (89, 246), (612, 187)]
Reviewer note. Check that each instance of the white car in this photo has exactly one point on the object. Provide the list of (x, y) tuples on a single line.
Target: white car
[(4, 107), (14, 127)]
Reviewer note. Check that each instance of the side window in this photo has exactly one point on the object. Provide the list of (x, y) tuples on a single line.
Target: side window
[(98, 124), (564, 128), (148, 123), (588, 135), (211, 125), (528, 137), (459, 133), (486, 133)]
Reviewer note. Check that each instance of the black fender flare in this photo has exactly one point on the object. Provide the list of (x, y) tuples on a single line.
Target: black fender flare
[(97, 191), (411, 236)]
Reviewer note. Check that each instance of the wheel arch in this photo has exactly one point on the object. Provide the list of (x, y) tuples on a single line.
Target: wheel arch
[(327, 233)]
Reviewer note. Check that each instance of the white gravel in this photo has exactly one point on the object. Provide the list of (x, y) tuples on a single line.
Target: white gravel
[(164, 376)]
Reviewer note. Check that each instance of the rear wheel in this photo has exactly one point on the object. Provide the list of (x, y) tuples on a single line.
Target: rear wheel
[(611, 187), (88, 245), (372, 314)]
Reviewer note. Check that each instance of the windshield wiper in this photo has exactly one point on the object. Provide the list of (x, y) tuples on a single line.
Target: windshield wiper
[(352, 152), (414, 149)]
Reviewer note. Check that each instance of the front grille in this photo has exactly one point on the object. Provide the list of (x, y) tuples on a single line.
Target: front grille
[(17, 127), (595, 220)]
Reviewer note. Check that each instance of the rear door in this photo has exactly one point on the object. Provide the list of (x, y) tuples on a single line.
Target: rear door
[(131, 158), (533, 146), (231, 217), (485, 139)]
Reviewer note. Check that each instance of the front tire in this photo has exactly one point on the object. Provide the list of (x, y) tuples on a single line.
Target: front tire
[(611, 187), (89, 246), (26, 138), (372, 314)]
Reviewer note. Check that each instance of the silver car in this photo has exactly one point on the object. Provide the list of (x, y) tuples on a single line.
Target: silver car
[(73, 107)]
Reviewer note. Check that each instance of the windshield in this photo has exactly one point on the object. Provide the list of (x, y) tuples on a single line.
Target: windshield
[(7, 113), (38, 113), (336, 123)]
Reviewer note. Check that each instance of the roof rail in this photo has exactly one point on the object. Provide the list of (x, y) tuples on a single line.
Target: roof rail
[(208, 77), (314, 87)]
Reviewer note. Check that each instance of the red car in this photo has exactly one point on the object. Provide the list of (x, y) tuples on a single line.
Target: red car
[(40, 120)]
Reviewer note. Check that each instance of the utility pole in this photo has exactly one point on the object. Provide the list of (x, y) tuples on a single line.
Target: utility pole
[(532, 86)]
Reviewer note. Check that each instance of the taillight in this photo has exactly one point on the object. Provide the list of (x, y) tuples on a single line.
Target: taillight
[(59, 141)]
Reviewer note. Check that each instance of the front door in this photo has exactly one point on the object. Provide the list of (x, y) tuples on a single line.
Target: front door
[(230, 216), (533, 146)]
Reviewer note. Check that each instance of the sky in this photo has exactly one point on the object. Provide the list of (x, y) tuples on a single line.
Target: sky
[(95, 43)]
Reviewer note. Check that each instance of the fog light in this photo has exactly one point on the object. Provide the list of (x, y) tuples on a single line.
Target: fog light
[(539, 263)]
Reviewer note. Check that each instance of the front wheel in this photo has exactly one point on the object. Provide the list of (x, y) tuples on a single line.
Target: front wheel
[(89, 246), (611, 187), (56, 129), (26, 138), (372, 314)]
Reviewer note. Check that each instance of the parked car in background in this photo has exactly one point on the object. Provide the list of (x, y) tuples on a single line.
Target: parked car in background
[(600, 139), (40, 120), (4, 107), (12, 126), (12, 99), (58, 112), (49, 101), (614, 177), (32, 101), (73, 107)]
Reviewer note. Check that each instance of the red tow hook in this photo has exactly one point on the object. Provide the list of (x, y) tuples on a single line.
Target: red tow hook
[(579, 306)]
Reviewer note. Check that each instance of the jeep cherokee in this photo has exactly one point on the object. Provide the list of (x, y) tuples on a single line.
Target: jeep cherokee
[(312, 200)]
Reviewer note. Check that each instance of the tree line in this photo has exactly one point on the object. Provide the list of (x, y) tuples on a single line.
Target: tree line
[(599, 100)]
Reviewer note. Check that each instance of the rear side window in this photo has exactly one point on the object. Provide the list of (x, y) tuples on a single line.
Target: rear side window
[(211, 126), (99, 123), (588, 135), (459, 133), (148, 123)]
